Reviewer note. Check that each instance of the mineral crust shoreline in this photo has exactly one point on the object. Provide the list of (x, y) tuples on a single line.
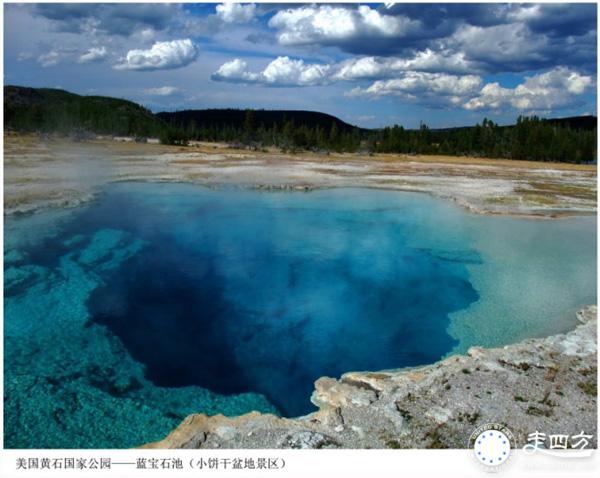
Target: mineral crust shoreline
[(546, 384), (56, 174)]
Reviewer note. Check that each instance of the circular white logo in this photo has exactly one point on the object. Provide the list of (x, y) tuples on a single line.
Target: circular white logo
[(491, 444), (492, 448)]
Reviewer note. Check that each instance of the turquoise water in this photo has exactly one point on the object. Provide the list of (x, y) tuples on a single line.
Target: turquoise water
[(159, 300)]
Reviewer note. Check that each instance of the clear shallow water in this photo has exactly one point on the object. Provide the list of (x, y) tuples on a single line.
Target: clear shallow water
[(159, 300)]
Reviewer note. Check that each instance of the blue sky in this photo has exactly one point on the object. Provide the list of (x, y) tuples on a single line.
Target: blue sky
[(369, 64)]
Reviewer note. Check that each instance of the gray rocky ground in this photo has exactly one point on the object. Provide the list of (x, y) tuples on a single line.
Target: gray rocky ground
[(57, 173)]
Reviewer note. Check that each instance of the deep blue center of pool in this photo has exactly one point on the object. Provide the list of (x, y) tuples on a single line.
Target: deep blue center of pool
[(154, 301), (240, 291)]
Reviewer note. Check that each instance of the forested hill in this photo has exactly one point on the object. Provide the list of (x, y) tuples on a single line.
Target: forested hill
[(236, 119), (587, 123), (581, 123), (54, 110), (530, 138)]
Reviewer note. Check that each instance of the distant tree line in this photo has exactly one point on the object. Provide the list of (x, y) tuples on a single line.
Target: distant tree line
[(531, 138)]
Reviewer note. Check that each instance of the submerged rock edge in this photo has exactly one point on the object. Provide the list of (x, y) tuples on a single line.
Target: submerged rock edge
[(543, 384)]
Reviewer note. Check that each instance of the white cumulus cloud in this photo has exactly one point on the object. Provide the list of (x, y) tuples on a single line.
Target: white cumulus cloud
[(413, 83), (553, 89), (50, 58), (371, 67), (93, 54), (291, 72), (430, 89), (410, 80), (161, 91), (236, 12), (161, 56), (283, 71), (329, 24), (234, 71)]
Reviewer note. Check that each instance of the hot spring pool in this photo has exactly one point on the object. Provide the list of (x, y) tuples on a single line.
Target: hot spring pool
[(160, 300)]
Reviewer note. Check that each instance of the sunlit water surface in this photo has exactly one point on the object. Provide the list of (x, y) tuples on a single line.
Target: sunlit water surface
[(160, 300)]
